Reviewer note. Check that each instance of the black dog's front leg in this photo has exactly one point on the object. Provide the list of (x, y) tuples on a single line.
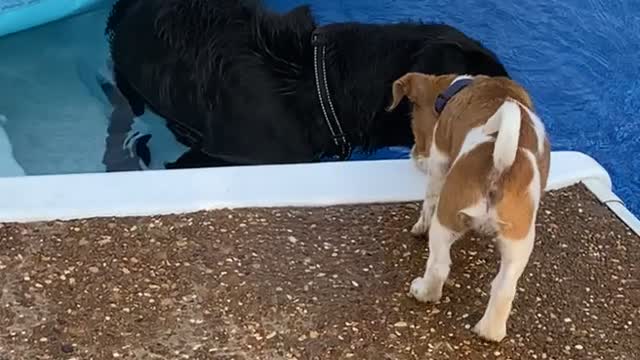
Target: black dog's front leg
[(136, 102), (196, 159)]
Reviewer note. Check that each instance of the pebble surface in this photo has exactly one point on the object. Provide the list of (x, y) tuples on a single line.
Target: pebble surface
[(321, 283)]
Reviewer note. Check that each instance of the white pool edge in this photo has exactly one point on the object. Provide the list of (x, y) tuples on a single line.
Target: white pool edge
[(144, 193)]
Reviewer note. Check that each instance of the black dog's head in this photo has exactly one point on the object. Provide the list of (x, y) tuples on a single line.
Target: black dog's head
[(456, 58), (447, 50), (368, 58), (436, 49)]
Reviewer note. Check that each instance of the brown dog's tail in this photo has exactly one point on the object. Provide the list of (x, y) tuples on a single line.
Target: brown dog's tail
[(506, 121)]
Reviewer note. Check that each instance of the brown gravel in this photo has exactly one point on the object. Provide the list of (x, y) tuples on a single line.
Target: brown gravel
[(325, 283)]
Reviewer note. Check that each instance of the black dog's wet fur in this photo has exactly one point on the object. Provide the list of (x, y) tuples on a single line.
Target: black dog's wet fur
[(242, 76)]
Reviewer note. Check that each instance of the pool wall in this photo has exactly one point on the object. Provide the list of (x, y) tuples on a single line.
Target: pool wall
[(18, 15), (144, 193)]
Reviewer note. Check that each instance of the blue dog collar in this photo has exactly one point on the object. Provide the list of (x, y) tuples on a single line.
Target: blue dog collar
[(456, 86)]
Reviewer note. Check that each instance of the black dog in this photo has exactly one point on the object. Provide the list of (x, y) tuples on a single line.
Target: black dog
[(240, 84)]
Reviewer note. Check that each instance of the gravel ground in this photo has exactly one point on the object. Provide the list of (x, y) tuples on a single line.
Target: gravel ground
[(323, 283)]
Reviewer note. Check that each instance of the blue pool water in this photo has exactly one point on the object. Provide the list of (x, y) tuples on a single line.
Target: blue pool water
[(578, 58)]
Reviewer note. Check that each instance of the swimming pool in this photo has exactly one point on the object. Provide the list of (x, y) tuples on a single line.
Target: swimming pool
[(578, 60)]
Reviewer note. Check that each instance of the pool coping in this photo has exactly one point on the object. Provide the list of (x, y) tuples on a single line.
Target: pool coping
[(161, 192)]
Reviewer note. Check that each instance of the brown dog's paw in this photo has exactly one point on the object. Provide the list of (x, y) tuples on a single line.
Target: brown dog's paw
[(490, 332), (421, 227)]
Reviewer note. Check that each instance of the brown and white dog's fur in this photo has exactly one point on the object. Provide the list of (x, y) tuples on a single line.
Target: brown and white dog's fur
[(486, 157)]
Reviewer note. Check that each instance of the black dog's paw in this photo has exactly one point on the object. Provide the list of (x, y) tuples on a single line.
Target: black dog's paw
[(142, 149), (172, 165), (108, 89), (192, 159)]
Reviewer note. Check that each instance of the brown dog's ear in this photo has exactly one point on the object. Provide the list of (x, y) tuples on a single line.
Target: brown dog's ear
[(408, 86)]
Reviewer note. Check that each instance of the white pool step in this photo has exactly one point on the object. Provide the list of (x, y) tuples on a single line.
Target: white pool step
[(141, 193)]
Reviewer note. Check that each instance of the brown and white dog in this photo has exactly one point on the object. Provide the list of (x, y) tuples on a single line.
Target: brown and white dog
[(486, 156)]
